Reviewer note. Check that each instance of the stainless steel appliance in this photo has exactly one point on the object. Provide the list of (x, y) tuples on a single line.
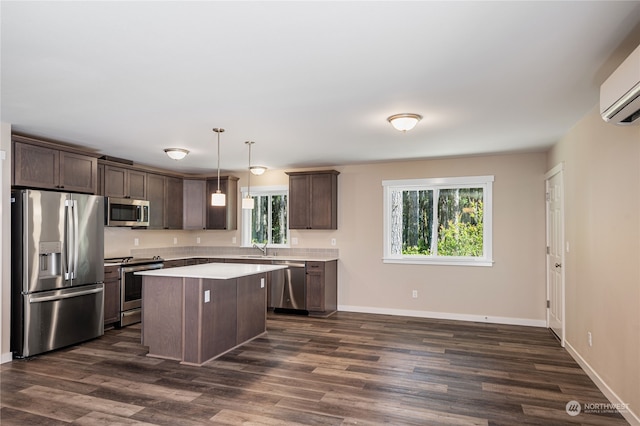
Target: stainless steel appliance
[(131, 286), (56, 270), (288, 288), (126, 212)]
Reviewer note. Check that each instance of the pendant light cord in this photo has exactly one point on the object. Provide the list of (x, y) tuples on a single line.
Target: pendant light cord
[(218, 130)]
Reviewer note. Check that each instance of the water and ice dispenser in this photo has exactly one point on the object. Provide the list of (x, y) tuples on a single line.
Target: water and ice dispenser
[(50, 254)]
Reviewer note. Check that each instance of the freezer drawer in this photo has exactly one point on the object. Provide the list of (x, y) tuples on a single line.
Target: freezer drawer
[(53, 319)]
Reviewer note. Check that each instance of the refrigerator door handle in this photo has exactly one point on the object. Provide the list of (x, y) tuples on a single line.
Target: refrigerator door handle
[(76, 242), (71, 242), (40, 299)]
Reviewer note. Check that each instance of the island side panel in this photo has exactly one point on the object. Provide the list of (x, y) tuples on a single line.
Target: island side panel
[(252, 306), (218, 324), (193, 307), (162, 302)]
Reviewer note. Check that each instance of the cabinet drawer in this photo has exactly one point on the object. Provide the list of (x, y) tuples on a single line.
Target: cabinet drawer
[(111, 273), (314, 266)]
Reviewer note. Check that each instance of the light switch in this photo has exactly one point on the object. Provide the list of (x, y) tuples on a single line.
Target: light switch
[(207, 296), (261, 282)]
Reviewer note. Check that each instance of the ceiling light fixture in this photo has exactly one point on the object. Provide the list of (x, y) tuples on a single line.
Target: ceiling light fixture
[(247, 202), (218, 198), (258, 170), (404, 122), (176, 153)]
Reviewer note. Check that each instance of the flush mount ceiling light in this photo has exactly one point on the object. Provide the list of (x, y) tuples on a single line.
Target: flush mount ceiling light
[(218, 198), (176, 153), (258, 170), (247, 202), (404, 122)]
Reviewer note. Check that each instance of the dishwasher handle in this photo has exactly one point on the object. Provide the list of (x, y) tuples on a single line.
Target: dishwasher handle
[(289, 263)]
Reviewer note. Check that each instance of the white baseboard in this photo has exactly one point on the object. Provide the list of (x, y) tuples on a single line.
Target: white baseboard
[(629, 415), (7, 357), (444, 315)]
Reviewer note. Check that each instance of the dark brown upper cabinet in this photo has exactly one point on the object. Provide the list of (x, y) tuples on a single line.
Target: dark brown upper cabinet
[(313, 199), (165, 201), (43, 167), (122, 182)]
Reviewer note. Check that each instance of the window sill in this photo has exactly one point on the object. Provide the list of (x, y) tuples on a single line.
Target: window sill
[(439, 261)]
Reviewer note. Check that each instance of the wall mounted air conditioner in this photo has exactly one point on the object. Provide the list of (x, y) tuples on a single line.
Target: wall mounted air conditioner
[(620, 93)]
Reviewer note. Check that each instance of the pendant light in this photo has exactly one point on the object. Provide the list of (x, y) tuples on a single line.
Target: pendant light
[(218, 198), (247, 202)]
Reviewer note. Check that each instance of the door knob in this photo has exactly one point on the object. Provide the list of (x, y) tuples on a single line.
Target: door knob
[(558, 265)]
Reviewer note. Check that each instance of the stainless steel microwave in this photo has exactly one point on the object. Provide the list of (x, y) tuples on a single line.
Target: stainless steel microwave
[(126, 212)]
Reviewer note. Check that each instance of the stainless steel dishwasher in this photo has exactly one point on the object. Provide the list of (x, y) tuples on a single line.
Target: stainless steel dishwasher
[(288, 293)]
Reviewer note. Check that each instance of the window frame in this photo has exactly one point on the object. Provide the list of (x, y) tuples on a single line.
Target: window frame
[(246, 213), (484, 182)]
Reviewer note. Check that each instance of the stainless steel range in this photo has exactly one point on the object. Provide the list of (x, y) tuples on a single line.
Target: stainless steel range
[(131, 285)]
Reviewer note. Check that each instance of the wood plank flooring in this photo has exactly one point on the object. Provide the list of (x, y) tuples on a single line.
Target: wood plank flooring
[(348, 369)]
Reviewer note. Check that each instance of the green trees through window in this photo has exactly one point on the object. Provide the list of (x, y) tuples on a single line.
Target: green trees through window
[(437, 218)]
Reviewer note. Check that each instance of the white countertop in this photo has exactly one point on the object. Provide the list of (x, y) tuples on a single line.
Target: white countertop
[(213, 271)]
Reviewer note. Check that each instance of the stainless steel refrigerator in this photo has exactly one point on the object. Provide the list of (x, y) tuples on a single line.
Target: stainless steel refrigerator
[(57, 270)]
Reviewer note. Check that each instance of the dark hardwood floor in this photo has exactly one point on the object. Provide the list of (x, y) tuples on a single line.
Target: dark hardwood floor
[(344, 370)]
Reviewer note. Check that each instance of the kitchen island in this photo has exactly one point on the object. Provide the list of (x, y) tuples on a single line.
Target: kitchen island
[(196, 313)]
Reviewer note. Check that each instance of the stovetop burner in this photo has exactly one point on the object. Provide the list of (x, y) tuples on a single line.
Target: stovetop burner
[(130, 260)]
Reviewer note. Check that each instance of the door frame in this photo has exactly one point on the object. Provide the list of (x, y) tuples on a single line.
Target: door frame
[(557, 170)]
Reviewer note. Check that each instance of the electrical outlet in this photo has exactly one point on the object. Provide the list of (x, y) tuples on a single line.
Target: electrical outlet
[(207, 296), (333, 241), (197, 240), (136, 242), (414, 294), (233, 240), (175, 240), (589, 338), (294, 241), (261, 282)]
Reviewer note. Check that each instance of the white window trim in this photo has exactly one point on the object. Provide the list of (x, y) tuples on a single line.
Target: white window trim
[(485, 182), (246, 213)]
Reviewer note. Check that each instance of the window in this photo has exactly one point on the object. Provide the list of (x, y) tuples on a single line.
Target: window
[(267, 222), (444, 221)]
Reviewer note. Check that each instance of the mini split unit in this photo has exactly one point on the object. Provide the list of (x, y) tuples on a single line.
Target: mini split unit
[(620, 93)]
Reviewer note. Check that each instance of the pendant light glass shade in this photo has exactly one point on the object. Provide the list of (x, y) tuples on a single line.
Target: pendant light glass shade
[(404, 122), (247, 202), (218, 198)]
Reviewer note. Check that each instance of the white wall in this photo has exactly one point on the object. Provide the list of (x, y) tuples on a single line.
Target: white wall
[(5, 242), (602, 267)]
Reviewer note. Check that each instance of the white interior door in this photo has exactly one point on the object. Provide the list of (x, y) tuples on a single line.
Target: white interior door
[(555, 253)]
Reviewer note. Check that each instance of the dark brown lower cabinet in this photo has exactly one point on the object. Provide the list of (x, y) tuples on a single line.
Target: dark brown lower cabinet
[(111, 295), (322, 287)]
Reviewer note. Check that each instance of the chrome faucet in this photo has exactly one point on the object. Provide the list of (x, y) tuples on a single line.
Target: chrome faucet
[(263, 249)]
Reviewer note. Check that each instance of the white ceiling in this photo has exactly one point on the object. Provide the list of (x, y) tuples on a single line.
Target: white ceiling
[(312, 83)]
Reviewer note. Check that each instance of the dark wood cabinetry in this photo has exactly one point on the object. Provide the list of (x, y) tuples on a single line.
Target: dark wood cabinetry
[(223, 217), (111, 295), (313, 200), (251, 306), (194, 214), (322, 287), (43, 167), (164, 194), (122, 182)]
